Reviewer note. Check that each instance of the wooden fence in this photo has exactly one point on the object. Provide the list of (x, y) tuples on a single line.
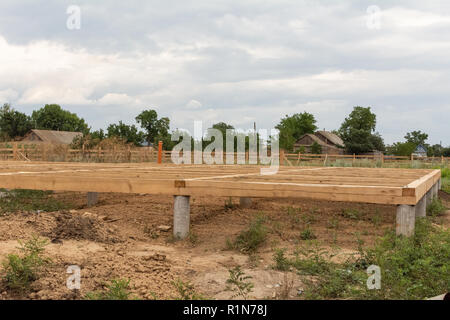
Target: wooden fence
[(48, 152)]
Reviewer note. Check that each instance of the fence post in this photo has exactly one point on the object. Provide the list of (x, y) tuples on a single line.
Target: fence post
[(281, 157), (160, 144), (15, 151)]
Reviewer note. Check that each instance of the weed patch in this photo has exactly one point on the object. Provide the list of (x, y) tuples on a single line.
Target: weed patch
[(30, 200), (186, 291), (238, 282), (249, 240), (22, 269), (116, 290), (435, 208)]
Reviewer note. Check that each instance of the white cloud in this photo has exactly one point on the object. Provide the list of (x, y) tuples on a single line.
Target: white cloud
[(193, 104), (232, 61)]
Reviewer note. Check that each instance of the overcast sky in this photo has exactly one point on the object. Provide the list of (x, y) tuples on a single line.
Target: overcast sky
[(233, 61)]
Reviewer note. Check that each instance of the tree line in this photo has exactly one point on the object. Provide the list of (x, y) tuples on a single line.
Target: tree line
[(358, 130)]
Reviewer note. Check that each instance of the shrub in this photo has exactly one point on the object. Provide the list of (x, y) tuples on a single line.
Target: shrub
[(186, 291), (435, 208), (239, 283), (116, 290), (249, 240), (21, 270), (307, 234), (281, 262)]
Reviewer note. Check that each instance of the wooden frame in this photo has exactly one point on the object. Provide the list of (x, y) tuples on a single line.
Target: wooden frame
[(370, 185)]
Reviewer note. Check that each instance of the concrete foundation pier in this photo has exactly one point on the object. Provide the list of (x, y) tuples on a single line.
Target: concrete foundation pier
[(406, 218), (181, 216), (92, 198), (421, 208), (429, 196), (435, 189), (245, 202)]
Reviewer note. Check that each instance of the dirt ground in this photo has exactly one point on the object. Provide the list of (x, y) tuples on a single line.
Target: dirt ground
[(126, 236)]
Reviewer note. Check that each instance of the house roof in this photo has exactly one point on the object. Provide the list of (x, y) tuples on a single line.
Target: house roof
[(333, 138), (314, 138), (50, 136), (420, 149)]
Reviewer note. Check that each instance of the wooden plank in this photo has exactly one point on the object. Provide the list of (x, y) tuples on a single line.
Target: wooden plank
[(372, 185)]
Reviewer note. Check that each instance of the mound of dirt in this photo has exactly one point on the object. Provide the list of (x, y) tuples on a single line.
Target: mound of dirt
[(80, 227)]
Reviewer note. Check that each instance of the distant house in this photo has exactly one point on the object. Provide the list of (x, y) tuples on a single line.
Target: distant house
[(50, 136), (420, 151), (329, 142)]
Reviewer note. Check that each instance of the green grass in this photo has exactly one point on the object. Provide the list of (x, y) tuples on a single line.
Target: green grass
[(249, 240), (30, 200), (116, 290), (20, 270), (435, 208), (352, 214), (411, 268), (186, 291), (445, 179), (307, 234), (445, 185)]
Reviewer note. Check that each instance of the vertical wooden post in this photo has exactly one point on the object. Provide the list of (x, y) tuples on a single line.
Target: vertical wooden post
[(281, 157), (382, 159), (160, 145)]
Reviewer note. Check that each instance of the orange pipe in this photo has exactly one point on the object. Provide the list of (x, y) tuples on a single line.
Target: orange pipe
[(160, 152)]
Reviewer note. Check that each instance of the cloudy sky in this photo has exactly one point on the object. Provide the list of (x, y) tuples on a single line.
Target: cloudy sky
[(233, 61)]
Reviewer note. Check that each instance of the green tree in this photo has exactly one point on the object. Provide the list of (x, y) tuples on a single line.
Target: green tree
[(357, 132), (129, 133), (293, 127), (416, 137), (435, 150), (98, 134), (316, 148), (401, 148), (222, 127), (13, 123), (156, 129), (53, 117), (446, 152)]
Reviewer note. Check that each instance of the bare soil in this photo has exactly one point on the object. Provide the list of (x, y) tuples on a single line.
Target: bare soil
[(126, 236)]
